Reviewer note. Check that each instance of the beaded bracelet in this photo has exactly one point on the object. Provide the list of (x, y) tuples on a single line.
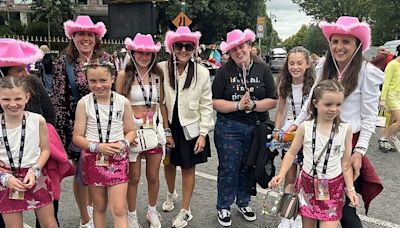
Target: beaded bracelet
[(93, 147), (4, 177), (168, 132)]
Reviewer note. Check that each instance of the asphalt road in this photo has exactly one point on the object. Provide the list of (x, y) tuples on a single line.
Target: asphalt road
[(384, 210)]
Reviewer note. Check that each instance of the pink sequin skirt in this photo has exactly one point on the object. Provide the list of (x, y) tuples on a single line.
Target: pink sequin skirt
[(116, 172), (38, 196), (323, 210)]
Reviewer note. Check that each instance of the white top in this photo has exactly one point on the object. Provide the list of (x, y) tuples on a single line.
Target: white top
[(334, 167), (194, 103), (32, 142), (117, 125), (136, 94), (297, 92), (360, 108)]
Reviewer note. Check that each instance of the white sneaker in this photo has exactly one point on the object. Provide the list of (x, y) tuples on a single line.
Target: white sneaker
[(168, 204), (90, 224), (133, 220), (182, 219), (154, 219)]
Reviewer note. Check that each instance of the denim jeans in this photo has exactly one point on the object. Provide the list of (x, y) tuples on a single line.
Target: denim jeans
[(232, 140)]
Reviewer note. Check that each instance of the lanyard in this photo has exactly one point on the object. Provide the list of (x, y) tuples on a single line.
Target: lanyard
[(328, 149), (293, 107), (146, 100), (7, 145), (245, 72), (96, 108)]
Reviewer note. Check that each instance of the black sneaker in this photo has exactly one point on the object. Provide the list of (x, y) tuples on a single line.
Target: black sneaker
[(384, 145), (224, 217), (247, 213)]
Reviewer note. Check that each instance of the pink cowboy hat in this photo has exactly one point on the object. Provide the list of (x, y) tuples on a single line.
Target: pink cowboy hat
[(142, 43), (183, 33), (348, 26), (18, 53), (235, 38), (84, 24)]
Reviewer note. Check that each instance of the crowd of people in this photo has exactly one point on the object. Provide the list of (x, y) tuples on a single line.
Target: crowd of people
[(107, 114)]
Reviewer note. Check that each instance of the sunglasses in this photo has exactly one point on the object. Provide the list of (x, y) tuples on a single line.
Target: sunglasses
[(179, 46)]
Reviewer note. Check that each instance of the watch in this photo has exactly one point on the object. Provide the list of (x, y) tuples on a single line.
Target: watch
[(254, 106)]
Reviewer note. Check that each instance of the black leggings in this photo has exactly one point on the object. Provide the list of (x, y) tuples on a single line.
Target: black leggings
[(55, 205)]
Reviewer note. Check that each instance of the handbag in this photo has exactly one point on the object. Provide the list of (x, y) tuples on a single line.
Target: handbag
[(381, 119), (288, 206), (191, 131), (147, 140)]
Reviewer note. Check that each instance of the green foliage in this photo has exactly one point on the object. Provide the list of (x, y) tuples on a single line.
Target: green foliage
[(37, 29), (5, 30), (214, 18), (53, 11), (310, 37), (382, 15)]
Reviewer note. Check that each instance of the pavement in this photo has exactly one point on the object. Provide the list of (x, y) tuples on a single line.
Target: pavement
[(384, 210)]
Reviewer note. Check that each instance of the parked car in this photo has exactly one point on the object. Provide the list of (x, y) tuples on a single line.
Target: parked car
[(277, 59)]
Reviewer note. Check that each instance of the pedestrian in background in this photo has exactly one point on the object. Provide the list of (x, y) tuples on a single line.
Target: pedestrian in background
[(348, 39), (189, 119), (69, 85), (141, 83), (243, 93)]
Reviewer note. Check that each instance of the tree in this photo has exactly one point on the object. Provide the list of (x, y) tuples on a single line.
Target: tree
[(310, 37), (330, 10), (54, 12), (214, 18)]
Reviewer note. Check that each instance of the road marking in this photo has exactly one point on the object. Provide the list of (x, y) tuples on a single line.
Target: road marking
[(380, 223)]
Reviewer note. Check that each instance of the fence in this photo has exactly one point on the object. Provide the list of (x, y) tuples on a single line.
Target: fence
[(57, 44)]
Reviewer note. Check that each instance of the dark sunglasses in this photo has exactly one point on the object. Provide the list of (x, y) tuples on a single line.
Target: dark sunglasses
[(179, 46)]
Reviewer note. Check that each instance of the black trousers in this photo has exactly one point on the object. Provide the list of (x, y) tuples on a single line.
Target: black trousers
[(55, 205)]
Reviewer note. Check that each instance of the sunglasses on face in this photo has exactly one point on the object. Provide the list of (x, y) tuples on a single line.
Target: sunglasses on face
[(188, 46)]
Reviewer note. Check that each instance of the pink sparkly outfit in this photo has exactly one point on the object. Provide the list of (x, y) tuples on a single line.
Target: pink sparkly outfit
[(38, 196), (323, 210), (115, 173), (310, 207)]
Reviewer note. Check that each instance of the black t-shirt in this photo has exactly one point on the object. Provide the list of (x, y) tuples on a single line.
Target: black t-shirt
[(228, 85)]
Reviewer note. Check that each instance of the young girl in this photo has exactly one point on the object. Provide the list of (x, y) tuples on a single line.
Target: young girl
[(140, 83), (104, 129), (24, 152), (327, 143), (294, 85)]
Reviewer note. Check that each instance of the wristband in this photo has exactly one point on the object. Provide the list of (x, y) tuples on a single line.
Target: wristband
[(167, 132), (93, 147), (36, 170), (4, 177), (125, 144), (351, 189), (254, 105)]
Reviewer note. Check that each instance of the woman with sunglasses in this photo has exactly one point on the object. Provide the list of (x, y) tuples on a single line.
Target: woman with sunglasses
[(189, 119), (243, 93)]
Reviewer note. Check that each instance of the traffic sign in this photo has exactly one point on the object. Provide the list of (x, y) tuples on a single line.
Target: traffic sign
[(260, 27), (182, 20)]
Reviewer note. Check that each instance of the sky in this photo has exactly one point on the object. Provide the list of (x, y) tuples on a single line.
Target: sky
[(288, 17)]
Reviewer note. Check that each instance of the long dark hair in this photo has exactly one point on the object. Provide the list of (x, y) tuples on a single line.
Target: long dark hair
[(130, 72), (172, 70), (350, 77), (324, 86), (285, 78)]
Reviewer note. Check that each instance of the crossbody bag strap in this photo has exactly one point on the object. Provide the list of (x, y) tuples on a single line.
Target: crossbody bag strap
[(71, 79)]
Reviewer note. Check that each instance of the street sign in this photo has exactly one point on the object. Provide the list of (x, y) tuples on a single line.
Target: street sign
[(182, 20), (260, 27)]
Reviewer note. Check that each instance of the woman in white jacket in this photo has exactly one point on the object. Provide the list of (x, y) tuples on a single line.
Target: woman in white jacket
[(187, 91)]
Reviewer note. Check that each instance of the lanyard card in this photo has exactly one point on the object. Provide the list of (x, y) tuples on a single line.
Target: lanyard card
[(102, 160), (321, 189)]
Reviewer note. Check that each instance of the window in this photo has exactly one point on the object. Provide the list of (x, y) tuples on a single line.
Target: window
[(82, 2)]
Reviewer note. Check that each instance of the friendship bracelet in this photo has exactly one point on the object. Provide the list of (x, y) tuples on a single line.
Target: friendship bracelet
[(4, 177), (125, 144), (168, 132), (36, 170), (93, 147)]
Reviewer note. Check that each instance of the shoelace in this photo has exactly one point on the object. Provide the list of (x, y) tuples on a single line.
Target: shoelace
[(225, 213), (156, 213)]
